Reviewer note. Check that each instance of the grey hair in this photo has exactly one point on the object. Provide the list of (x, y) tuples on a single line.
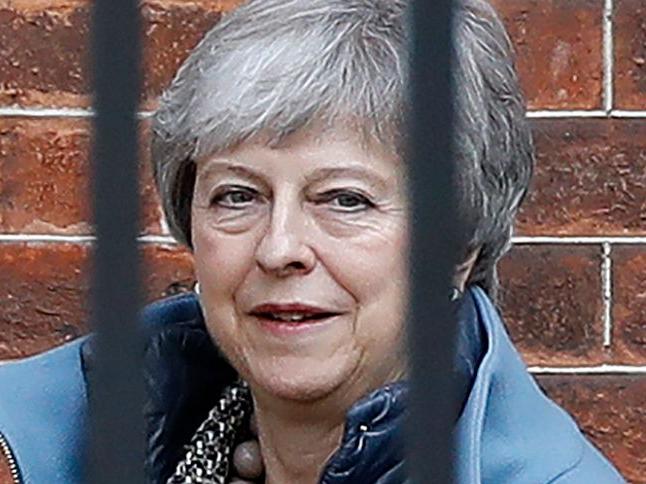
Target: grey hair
[(274, 67)]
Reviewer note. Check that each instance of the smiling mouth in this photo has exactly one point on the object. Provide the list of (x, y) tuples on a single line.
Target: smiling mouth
[(293, 318)]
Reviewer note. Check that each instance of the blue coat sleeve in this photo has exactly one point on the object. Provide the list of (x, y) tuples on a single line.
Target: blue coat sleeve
[(42, 414)]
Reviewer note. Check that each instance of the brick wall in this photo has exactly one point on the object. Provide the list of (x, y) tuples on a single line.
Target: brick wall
[(575, 282)]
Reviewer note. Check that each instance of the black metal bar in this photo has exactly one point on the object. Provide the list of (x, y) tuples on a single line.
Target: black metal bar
[(116, 396), (434, 244)]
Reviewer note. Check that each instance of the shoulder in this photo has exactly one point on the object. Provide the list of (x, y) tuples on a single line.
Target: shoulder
[(43, 402), (42, 411), (55, 380), (47, 376), (511, 431), (171, 310)]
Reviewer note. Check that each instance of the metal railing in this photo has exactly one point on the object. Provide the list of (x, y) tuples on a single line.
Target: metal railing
[(116, 401), (117, 394), (434, 244)]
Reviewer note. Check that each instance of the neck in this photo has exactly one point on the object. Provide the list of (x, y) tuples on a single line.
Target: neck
[(297, 438)]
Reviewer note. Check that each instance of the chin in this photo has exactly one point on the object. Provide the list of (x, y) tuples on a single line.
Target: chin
[(297, 379)]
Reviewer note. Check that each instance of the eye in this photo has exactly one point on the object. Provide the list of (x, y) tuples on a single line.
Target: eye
[(235, 198), (347, 201)]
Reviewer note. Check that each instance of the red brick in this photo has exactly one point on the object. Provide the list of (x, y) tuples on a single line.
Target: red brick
[(43, 55), (169, 271), (629, 304), (44, 289), (45, 176), (551, 302), (611, 410), (559, 50), (630, 54), (172, 30), (41, 294), (590, 178), (44, 47)]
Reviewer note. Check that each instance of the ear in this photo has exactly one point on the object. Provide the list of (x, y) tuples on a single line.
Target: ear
[(463, 270)]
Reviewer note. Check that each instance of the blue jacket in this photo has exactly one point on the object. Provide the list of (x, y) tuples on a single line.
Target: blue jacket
[(507, 430)]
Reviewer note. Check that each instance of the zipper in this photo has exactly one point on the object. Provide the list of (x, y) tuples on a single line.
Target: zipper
[(13, 465)]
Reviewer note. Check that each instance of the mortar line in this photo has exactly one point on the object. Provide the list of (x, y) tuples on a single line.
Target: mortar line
[(606, 286), (619, 113), (547, 240), (549, 114), (587, 370), (597, 113), (46, 238), (20, 112), (608, 56), (158, 239), (78, 239), (46, 112)]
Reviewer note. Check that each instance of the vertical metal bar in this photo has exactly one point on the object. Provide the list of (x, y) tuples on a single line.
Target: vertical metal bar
[(116, 396), (434, 244)]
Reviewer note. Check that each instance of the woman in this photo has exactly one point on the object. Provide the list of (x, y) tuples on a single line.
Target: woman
[(278, 156)]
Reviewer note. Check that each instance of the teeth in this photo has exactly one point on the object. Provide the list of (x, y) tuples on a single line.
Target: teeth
[(294, 317), (288, 316)]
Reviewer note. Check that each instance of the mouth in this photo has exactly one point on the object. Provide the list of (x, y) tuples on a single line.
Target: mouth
[(291, 315)]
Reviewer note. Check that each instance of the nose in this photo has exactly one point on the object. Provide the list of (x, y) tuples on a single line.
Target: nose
[(284, 249)]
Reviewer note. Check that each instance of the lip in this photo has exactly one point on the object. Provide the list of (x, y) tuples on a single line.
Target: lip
[(285, 328), (289, 307)]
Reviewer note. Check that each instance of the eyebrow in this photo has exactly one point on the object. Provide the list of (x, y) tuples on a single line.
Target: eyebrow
[(241, 170), (356, 171), (318, 175)]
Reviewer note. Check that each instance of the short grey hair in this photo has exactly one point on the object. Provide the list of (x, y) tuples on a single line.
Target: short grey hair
[(274, 67)]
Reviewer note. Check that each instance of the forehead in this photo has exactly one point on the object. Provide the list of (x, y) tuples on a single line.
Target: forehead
[(312, 149)]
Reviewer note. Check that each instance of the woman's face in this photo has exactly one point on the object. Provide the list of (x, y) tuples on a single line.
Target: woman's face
[(300, 251)]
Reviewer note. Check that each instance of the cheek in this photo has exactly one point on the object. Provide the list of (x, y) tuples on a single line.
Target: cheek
[(222, 262), (370, 263), (373, 269)]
